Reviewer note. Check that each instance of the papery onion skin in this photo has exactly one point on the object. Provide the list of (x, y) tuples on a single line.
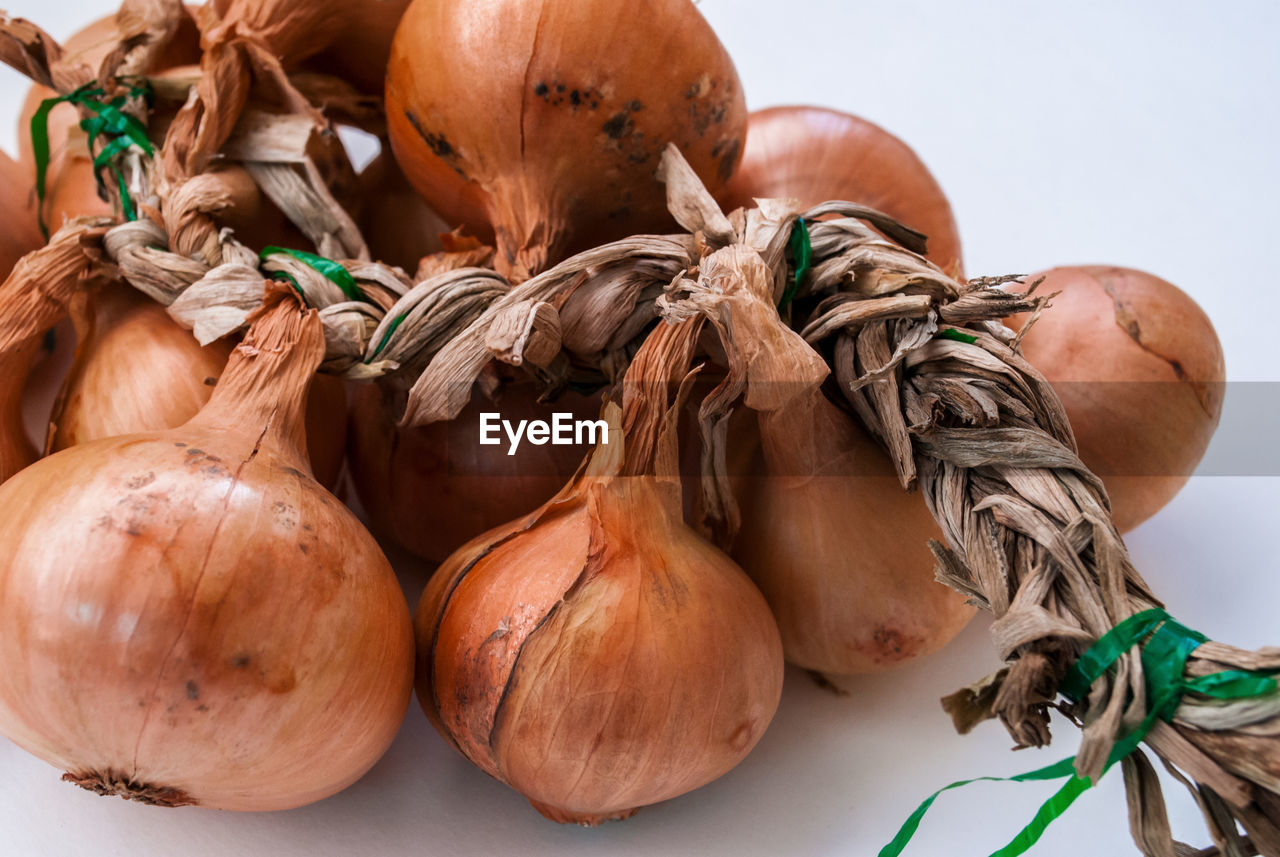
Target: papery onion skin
[(542, 122), (598, 655), (136, 370), (815, 154), (1140, 370), (432, 488), (187, 617)]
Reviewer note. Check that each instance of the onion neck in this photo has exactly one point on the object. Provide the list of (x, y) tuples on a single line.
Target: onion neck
[(529, 229), (263, 390)]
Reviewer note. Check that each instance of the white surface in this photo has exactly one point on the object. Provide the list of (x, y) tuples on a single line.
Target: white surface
[(1139, 134)]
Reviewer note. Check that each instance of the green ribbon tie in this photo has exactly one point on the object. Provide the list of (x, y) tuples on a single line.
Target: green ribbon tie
[(1164, 654), (801, 256), (957, 335), (109, 122), (386, 337), (331, 270)]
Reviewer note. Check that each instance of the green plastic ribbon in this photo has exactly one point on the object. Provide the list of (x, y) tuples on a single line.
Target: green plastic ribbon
[(386, 337), (109, 122), (1164, 654), (331, 270), (801, 256), (957, 336)]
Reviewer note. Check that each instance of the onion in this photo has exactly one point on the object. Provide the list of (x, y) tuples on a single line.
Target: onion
[(597, 655), (434, 487), (1139, 369), (827, 533), (398, 225), (19, 234), (814, 154), (33, 299), (187, 617), (136, 370), (360, 54), (542, 121)]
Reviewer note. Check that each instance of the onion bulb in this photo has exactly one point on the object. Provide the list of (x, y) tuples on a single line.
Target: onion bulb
[(136, 370), (541, 122), (33, 299), (431, 488), (598, 655), (360, 54), (815, 154), (1140, 371), (187, 617), (827, 533), (398, 225)]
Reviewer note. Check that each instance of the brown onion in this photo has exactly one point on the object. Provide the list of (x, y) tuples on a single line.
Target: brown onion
[(434, 487), (33, 299), (598, 655), (542, 121), (815, 154), (836, 545), (136, 370), (1139, 368), (187, 617), (360, 54), (397, 223)]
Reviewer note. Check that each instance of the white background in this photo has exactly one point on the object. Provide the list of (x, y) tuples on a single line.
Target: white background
[(1139, 134)]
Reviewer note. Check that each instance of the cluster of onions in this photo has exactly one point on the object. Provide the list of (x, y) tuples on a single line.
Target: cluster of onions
[(814, 154), (827, 533), (1139, 368), (137, 370), (431, 488), (541, 122), (598, 655), (187, 617)]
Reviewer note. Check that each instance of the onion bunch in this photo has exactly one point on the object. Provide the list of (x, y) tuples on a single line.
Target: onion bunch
[(187, 617), (597, 655)]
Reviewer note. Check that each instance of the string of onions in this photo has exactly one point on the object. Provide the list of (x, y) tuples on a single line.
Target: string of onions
[(597, 655), (198, 621), (849, 597), (1139, 369), (541, 122)]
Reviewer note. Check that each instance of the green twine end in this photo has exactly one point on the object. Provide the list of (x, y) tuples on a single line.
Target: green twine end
[(957, 336), (110, 123), (386, 337), (801, 257), (331, 270), (1165, 647)]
